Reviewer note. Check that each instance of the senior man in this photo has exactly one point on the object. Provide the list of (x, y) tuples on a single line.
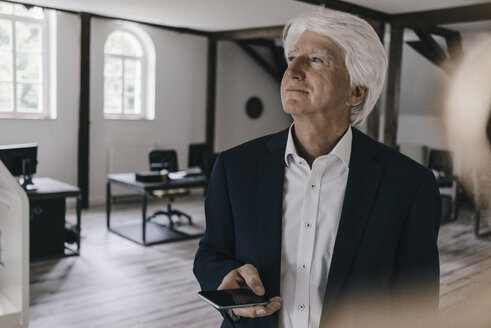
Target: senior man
[(336, 228)]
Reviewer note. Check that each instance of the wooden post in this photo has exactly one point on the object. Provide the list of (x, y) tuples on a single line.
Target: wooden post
[(84, 109), (393, 85), (373, 120), (211, 93)]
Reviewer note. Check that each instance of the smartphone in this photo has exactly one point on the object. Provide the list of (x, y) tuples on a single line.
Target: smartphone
[(232, 298)]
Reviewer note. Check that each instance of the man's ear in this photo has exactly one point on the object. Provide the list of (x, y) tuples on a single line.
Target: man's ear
[(358, 93)]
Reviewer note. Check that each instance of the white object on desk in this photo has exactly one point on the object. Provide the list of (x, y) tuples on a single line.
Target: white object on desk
[(14, 248)]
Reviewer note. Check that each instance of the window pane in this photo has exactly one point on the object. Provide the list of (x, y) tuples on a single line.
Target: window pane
[(6, 97), (132, 87), (28, 37), (34, 12), (28, 98), (112, 104), (132, 68), (5, 65), (113, 86), (6, 8), (5, 34), (132, 105), (113, 43), (131, 46), (28, 67), (113, 67)]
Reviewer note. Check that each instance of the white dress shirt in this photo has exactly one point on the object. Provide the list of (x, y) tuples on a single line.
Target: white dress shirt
[(312, 203)]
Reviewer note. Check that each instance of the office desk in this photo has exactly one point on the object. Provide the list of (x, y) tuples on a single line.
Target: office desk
[(148, 233), (47, 218)]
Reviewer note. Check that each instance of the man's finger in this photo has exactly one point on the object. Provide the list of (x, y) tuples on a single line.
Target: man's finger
[(259, 310), (251, 277), (230, 281)]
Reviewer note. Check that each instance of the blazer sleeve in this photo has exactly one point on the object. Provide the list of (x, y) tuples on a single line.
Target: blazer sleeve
[(415, 287), (215, 257)]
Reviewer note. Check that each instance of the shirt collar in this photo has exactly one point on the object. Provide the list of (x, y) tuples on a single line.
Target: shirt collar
[(341, 150)]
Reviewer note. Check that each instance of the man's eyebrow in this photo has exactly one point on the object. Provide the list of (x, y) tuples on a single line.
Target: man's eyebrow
[(291, 51), (322, 52)]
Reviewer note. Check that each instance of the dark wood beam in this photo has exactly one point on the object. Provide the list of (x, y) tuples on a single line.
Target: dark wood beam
[(453, 40), (261, 42), (271, 32), (84, 109), (211, 93), (351, 8), (393, 86), (373, 120), (471, 13), (430, 49), (437, 52), (425, 51), (259, 60)]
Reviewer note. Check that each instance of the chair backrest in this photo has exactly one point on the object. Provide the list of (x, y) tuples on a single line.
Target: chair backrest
[(441, 161), (160, 159)]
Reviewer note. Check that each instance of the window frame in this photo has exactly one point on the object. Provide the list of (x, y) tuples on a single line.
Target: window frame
[(143, 115), (45, 75)]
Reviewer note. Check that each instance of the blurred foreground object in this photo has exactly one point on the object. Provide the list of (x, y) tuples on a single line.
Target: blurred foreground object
[(467, 118)]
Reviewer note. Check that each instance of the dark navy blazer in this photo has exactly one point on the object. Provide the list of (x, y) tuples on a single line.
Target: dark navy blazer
[(386, 240)]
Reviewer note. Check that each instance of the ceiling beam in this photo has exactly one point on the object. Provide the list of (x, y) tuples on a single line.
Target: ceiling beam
[(350, 8), (461, 14), (259, 60), (250, 33)]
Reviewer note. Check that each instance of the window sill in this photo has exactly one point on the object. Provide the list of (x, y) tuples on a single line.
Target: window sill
[(126, 118), (27, 117)]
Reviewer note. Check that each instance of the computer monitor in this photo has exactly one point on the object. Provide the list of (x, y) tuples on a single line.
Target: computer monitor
[(198, 154), (20, 160)]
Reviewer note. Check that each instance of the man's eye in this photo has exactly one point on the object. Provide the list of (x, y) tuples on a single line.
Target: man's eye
[(316, 60), (290, 58)]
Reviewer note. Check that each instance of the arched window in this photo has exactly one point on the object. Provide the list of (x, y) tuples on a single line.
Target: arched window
[(124, 76), (23, 62)]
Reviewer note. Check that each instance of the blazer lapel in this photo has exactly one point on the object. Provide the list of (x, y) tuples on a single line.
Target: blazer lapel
[(361, 190), (270, 177)]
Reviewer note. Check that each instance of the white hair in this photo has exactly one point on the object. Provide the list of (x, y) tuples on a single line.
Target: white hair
[(365, 57)]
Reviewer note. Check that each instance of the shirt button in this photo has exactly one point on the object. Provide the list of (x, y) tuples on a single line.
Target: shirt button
[(300, 162), (301, 307), (309, 225), (313, 186), (304, 267)]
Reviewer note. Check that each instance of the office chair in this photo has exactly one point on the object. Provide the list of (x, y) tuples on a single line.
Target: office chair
[(160, 159), (441, 163)]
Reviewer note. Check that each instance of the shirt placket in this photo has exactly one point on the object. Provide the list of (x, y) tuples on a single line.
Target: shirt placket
[(306, 243)]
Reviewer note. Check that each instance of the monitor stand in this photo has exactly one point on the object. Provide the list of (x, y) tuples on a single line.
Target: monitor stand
[(27, 184)]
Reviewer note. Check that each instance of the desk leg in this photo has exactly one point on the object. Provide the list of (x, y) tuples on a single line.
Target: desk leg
[(79, 228), (108, 203), (144, 218)]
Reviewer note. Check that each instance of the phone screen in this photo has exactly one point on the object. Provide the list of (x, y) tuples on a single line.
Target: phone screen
[(233, 298)]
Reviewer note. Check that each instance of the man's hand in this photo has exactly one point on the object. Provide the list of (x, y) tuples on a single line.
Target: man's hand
[(247, 277)]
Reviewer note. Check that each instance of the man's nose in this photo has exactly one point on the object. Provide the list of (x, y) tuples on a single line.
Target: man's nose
[(295, 69)]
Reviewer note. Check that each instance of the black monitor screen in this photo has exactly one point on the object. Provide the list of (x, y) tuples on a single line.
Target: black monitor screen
[(198, 154), (20, 159)]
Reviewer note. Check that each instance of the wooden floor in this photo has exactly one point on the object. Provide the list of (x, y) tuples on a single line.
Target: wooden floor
[(117, 283)]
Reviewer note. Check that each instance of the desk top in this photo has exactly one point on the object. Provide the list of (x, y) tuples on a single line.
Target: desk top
[(51, 188), (129, 181)]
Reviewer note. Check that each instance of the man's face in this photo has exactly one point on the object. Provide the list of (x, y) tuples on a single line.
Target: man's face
[(316, 80)]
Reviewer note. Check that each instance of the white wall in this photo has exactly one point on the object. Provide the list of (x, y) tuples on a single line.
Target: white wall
[(180, 103), (238, 79), (57, 139)]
